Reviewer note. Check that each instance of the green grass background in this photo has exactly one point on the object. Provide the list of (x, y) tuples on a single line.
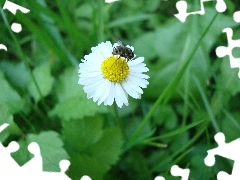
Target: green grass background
[(192, 94)]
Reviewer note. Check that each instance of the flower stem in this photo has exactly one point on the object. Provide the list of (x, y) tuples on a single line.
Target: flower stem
[(118, 120)]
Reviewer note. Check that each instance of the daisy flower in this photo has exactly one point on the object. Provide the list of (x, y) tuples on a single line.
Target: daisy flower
[(106, 77)]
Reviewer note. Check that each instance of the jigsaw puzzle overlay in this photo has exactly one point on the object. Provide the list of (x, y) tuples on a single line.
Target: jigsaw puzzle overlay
[(16, 27), (177, 172), (33, 169), (220, 7), (227, 150), (222, 51), (182, 9)]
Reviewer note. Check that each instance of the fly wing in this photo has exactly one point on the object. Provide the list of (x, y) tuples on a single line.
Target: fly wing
[(118, 41)]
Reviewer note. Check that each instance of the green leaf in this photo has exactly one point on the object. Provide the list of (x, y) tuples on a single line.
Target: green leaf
[(22, 156), (7, 117), (93, 149), (73, 103), (76, 109), (16, 73), (44, 81), (80, 134), (228, 80), (83, 164), (9, 96), (68, 86), (51, 147), (108, 148), (231, 126)]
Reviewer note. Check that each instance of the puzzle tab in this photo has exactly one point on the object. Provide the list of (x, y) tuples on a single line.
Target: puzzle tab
[(227, 150), (33, 169), (181, 6), (222, 51), (177, 172)]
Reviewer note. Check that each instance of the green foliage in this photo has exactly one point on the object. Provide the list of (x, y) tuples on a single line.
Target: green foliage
[(91, 146), (192, 94), (72, 99), (9, 96), (51, 149), (44, 80)]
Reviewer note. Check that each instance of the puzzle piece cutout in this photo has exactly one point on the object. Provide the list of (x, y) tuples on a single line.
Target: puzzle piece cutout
[(227, 150), (177, 171), (12, 7), (33, 169), (16, 27), (182, 9), (236, 16), (222, 51), (2, 46)]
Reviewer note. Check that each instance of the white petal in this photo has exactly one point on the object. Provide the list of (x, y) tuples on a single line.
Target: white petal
[(134, 85), (118, 99), (120, 94), (100, 90), (132, 48), (106, 93), (88, 81), (87, 66), (96, 53), (90, 89), (90, 58), (137, 69), (90, 74), (129, 89), (138, 81), (110, 98), (139, 75), (136, 61), (106, 49), (139, 65)]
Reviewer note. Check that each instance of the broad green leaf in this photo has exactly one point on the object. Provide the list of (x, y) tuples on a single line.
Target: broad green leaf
[(84, 164), (51, 147), (93, 149), (16, 73), (231, 126), (44, 81), (7, 117), (81, 134), (68, 86), (9, 96), (73, 103), (22, 155), (108, 149), (76, 109)]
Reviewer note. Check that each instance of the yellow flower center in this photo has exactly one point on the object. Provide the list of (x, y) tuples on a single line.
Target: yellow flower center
[(115, 68)]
